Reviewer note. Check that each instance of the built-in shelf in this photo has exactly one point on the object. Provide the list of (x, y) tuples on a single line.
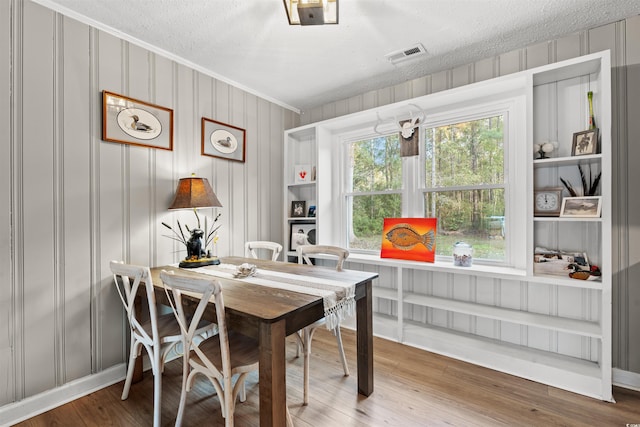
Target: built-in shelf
[(548, 328)]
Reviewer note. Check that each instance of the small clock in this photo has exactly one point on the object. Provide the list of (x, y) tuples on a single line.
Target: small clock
[(547, 201)]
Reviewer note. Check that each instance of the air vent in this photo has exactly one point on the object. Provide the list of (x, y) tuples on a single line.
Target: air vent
[(405, 54)]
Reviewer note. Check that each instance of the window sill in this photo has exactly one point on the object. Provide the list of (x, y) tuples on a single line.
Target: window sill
[(441, 266)]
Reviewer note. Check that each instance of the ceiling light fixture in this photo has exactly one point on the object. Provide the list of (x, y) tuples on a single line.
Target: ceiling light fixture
[(311, 12)]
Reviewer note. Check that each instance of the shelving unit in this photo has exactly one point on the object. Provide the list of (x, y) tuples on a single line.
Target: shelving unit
[(544, 327), (300, 149)]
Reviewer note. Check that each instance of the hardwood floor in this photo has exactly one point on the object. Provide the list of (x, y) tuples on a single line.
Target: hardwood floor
[(412, 388)]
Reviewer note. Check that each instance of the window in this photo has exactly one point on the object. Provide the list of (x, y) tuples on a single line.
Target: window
[(464, 185), (374, 189), (461, 180)]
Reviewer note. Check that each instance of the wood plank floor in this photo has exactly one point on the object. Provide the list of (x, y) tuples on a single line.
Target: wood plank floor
[(412, 388)]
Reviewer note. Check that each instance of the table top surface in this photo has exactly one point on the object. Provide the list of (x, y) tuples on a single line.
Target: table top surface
[(267, 303)]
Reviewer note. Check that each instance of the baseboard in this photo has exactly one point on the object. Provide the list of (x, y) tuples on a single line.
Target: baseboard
[(26, 408), (626, 379)]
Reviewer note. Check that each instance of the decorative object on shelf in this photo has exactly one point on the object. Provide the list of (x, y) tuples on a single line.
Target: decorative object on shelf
[(302, 233), (409, 238), (547, 201), (462, 254), (312, 211), (585, 142), (544, 149), (194, 193), (130, 121), (303, 173), (558, 263), (584, 273), (592, 119), (311, 12), (222, 140), (581, 207), (298, 208), (589, 188)]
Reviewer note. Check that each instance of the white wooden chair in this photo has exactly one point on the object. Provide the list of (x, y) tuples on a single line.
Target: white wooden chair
[(219, 358), (250, 249), (305, 336), (158, 335)]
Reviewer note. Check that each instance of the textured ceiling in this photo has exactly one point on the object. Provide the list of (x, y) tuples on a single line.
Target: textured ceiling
[(250, 44)]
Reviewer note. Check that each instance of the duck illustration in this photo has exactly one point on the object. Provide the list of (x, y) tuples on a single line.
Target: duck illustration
[(225, 142), (136, 124)]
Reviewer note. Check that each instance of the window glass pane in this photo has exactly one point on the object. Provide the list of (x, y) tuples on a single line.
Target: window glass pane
[(468, 153), (474, 216), (368, 217), (376, 164)]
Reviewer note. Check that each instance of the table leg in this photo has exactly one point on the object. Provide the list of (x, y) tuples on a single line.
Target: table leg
[(272, 376), (364, 325)]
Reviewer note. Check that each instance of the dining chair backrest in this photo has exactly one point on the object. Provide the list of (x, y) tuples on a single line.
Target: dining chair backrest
[(251, 249), (203, 289), (128, 279), (304, 252)]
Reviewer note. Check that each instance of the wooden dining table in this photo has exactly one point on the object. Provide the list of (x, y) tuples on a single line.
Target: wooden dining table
[(271, 314)]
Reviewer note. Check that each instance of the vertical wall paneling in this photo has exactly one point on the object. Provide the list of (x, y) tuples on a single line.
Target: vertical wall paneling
[(629, 333), (76, 213), (8, 100), (37, 169), (110, 175)]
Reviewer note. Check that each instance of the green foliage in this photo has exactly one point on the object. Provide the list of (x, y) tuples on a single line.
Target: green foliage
[(469, 154)]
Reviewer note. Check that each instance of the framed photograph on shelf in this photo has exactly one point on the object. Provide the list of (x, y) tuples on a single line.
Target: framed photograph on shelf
[(302, 174), (298, 209), (223, 141), (547, 201), (302, 233), (312, 211), (581, 207), (130, 121), (585, 142)]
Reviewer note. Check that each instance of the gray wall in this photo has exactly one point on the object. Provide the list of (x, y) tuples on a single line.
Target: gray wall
[(70, 202), (622, 39)]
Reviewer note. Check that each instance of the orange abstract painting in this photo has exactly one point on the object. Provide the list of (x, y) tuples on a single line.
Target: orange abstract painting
[(409, 238)]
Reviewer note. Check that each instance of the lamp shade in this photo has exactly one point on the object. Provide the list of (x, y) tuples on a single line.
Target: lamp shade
[(194, 192)]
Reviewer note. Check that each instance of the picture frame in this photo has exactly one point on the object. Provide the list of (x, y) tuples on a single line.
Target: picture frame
[(585, 143), (302, 233), (298, 209), (223, 140), (581, 207), (130, 121), (312, 211), (547, 201), (302, 173)]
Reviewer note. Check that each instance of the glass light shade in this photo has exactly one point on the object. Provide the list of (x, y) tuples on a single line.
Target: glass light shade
[(311, 12)]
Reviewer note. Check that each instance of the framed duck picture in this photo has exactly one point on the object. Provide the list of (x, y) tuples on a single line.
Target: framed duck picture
[(409, 238), (130, 121), (223, 140)]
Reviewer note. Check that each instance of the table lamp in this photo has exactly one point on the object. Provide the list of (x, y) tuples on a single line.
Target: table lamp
[(194, 193)]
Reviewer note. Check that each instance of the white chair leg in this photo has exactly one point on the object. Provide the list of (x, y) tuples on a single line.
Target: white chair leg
[(343, 358), (135, 347), (183, 392), (157, 389)]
